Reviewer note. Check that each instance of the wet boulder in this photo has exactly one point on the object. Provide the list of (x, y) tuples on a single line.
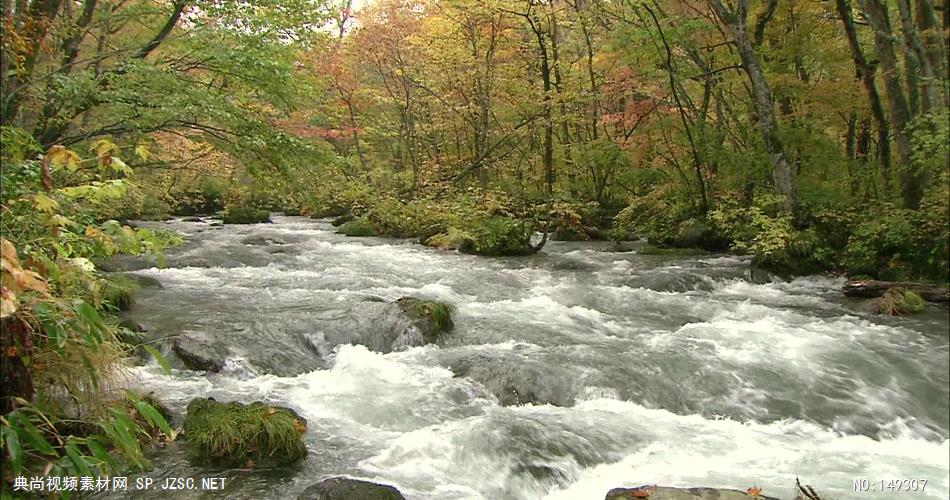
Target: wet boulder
[(344, 488), (198, 352), (518, 382), (305, 344), (383, 326), (666, 493), (243, 435)]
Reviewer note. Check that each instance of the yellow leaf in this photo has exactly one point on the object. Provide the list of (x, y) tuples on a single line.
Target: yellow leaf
[(142, 152), (60, 156), (45, 203), (59, 220), (119, 166), (103, 147)]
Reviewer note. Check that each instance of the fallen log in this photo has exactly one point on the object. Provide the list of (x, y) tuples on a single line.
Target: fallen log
[(874, 288)]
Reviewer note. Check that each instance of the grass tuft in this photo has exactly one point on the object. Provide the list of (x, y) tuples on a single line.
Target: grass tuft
[(249, 435), (900, 301)]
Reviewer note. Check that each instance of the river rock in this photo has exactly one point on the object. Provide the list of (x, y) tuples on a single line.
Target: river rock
[(515, 382), (304, 345), (667, 493), (198, 352), (344, 488)]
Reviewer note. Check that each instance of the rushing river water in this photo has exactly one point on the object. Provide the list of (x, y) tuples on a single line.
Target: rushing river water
[(680, 371)]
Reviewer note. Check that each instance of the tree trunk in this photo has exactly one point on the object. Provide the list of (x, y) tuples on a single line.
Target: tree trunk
[(865, 73), (874, 288), (782, 175), (911, 179)]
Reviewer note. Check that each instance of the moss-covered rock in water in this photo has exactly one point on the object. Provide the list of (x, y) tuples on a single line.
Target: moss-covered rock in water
[(235, 434), (900, 301), (119, 292), (357, 227), (339, 221), (245, 215), (432, 318), (494, 236)]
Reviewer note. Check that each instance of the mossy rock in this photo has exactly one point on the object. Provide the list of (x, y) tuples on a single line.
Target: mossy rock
[(339, 221), (119, 292), (235, 434), (900, 301), (493, 237), (357, 227), (432, 318), (245, 215)]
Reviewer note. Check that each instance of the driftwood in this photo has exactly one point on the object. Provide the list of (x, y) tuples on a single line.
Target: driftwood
[(874, 288)]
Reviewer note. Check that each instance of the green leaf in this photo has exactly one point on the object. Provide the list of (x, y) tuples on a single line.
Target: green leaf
[(32, 434), (78, 460), (91, 371), (56, 335), (14, 450), (89, 314), (99, 452), (153, 417), (158, 358)]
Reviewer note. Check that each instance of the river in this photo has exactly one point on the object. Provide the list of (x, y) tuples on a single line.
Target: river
[(676, 370)]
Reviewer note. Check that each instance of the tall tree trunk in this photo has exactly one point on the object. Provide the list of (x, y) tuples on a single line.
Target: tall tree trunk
[(547, 135), (865, 73), (910, 177), (782, 175), (565, 136), (935, 50)]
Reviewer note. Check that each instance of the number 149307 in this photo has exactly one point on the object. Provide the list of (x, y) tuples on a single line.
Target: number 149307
[(890, 485)]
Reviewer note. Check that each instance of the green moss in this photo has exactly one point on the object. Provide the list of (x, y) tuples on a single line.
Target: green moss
[(357, 227), (119, 292), (432, 318), (900, 301), (453, 239), (494, 236), (245, 215), (244, 435), (439, 314), (339, 221)]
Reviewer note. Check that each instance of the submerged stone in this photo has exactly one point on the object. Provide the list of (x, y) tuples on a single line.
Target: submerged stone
[(297, 347), (344, 488)]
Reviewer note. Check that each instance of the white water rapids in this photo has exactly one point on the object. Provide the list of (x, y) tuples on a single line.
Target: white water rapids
[(679, 371)]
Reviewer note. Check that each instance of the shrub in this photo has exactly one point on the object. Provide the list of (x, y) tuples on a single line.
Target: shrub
[(357, 227), (245, 215)]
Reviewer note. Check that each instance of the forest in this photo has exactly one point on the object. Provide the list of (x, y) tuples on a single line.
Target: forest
[(810, 137)]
